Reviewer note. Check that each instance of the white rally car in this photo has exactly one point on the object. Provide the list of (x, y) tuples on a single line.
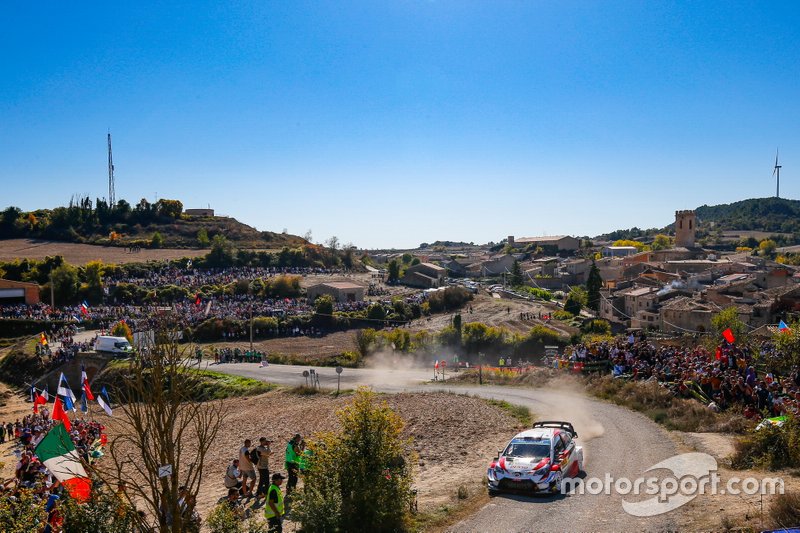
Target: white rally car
[(537, 460)]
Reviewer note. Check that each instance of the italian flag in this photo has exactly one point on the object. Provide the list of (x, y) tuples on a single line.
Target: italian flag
[(58, 454)]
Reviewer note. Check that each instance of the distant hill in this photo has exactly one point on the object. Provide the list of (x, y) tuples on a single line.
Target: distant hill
[(779, 217), (772, 215), (124, 225)]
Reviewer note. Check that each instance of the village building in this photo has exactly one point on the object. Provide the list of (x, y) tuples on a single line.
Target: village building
[(18, 292), (424, 275), (340, 291), (554, 243)]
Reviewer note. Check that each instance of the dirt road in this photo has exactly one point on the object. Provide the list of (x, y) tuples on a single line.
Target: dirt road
[(616, 441)]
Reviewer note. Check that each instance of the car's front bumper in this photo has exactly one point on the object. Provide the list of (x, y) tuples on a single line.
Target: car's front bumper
[(512, 482)]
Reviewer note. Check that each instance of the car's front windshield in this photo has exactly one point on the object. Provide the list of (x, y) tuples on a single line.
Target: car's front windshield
[(528, 449)]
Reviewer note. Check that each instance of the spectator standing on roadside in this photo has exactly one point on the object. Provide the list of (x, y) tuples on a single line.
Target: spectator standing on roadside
[(274, 511), (248, 469), (292, 463), (263, 452)]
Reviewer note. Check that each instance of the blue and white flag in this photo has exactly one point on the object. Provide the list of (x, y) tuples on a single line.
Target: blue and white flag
[(104, 402), (66, 393)]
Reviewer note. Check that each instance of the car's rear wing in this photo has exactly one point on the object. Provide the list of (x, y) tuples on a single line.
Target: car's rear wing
[(556, 424)]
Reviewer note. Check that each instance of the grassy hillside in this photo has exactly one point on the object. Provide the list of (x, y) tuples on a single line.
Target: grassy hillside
[(124, 225), (772, 216)]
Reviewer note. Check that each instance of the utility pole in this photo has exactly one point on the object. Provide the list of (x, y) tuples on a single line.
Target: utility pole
[(251, 328)]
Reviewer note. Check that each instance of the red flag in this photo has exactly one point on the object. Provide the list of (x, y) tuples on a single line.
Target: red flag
[(59, 414), (728, 334), (39, 400), (197, 300), (718, 355)]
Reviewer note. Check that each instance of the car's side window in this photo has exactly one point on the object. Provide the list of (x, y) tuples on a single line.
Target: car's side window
[(559, 446), (567, 439)]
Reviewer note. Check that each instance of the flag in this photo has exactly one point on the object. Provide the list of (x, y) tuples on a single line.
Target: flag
[(84, 405), (58, 454), (46, 394), (85, 308), (208, 307), (59, 414), (436, 364), (197, 300), (728, 334), (42, 339), (718, 355), (104, 402), (66, 393), (85, 384), (39, 400), (783, 328)]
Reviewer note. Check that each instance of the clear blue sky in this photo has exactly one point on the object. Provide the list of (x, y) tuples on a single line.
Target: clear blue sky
[(393, 123)]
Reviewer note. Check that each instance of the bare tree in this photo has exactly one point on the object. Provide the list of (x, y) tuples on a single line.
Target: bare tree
[(166, 432)]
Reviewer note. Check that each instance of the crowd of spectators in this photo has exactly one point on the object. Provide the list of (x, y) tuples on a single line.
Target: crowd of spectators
[(196, 278), (730, 378), (30, 473)]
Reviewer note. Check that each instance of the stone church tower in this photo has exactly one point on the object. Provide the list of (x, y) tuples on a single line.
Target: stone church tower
[(685, 226)]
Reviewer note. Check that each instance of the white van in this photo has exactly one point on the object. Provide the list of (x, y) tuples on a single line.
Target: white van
[(115, 345)]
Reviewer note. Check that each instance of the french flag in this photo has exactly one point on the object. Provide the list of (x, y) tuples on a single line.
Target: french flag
[(85, 308)]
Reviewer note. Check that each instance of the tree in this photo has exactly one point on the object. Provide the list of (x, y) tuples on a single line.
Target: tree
[(728, 318), (767, 247), (394, 271), (122, 329), (593, 285), (516, 274), (577, 299), (164, 421), (93, 276), (202, 238), (221, 253), (457, 328), (65, 283), (169, 208), (157, 241), (359, 478), (323, 310), (662, 242), (376, 312), (333, 243)]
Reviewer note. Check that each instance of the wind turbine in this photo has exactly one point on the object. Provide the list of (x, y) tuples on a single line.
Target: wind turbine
[(776, 171)]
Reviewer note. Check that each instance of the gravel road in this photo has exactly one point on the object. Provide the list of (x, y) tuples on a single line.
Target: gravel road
[(616, 441)]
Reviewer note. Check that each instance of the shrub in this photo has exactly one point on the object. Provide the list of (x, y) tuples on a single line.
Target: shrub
[(121, 329), (359, 478), (771, 447), (785, 510)]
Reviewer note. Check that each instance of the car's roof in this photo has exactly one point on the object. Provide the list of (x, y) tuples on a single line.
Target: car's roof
[(538, 433)]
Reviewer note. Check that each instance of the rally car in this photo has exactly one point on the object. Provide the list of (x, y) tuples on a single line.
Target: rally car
[(537, 460)]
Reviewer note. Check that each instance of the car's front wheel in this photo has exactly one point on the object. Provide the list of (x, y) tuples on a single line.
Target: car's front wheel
[(555, 485)]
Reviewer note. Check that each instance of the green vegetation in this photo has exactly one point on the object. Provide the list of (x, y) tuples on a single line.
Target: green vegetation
[(209, 385), (520, 412), (779, 216), (84, 221), (593, 285), (771, 447), (374, 493)]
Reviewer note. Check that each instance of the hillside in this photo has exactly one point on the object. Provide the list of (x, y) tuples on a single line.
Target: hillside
[(772, 215), (759, 217), (125, 225)]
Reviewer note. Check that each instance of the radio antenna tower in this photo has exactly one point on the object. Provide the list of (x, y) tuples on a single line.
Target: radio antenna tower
[(776, 171), (111, 199)]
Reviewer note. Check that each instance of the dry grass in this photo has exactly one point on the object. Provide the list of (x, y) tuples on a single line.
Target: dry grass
[(659, 404), (785, 510), (80, 254)]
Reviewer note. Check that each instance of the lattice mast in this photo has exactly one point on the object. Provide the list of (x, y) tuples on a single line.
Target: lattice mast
[(111, 200)]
